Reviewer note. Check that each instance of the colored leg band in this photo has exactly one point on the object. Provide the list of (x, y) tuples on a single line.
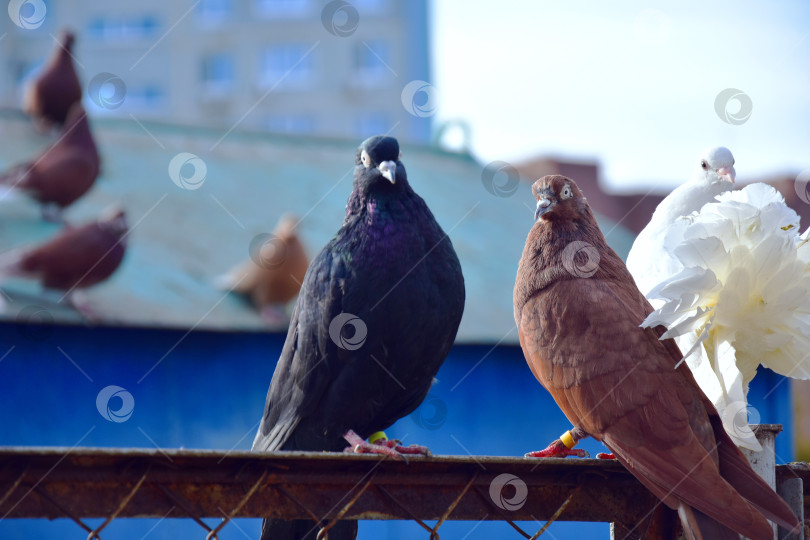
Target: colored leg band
[(567, 439), (377, 436)]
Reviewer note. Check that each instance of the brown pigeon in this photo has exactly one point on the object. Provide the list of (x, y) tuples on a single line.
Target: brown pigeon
[(56, 88), (274, 273), (63, 172), (578, 312), (77, 258)]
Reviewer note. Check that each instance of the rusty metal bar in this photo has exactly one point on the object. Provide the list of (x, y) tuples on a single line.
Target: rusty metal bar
[(92, 483)]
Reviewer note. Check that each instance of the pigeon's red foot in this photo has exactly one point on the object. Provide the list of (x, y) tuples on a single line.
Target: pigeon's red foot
[(559, 450), (387, 447), (605, 455)]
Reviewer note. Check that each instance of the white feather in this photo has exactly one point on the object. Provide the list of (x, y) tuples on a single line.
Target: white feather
[(742, 297), (649, 260)]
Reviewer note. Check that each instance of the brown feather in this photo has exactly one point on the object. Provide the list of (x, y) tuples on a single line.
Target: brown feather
[(56, 88), (279, 281), (579, 328), (79, 257), (63, 172)]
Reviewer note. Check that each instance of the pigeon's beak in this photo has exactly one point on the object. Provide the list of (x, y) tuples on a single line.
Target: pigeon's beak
[(543, 205), (389, 170), (727, 174)]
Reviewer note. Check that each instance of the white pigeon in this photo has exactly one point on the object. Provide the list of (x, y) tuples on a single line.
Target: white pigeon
[(649, 261), (740, 299)]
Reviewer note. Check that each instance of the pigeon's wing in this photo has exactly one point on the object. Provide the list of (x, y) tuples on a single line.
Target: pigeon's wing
[(281, 283), (650, 259), (61, 251), (80, 256), (61, 178), (55, 89), (16, 174), (617, 382), (309, 358), (241, 278)]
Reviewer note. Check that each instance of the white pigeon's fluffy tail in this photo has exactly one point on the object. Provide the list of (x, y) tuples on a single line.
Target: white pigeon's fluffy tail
[(743, 298)]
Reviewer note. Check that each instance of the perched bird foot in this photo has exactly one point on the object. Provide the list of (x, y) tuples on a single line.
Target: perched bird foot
[(387, 447), (605, 455), (559, 450), (413, 449)]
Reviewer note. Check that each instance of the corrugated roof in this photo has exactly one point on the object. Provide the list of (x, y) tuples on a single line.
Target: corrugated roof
[(182, 239)]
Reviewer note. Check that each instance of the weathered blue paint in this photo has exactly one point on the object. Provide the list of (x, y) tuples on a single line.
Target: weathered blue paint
[(207, 390)]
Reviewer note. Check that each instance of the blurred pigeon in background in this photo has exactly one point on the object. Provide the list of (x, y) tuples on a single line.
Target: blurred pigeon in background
[(63, 172), (741, 298), (78, 258), (51, 94), (272, 276), (578, 313), (648, 260), (377, 314)]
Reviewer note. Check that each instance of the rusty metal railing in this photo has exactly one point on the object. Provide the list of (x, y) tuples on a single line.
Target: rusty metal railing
[(83, 483)]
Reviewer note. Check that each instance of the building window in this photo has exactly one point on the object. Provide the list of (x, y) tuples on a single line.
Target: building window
[(372, 63), (291, 123), (285, 8), (218, 74), (112, 28), (373, 123), (287, 66), (370, 6), (214, 11), (145, 98)]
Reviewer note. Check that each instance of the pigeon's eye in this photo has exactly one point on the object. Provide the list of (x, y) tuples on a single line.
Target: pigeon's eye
[(566, 192), (365, 160), (704, 164)]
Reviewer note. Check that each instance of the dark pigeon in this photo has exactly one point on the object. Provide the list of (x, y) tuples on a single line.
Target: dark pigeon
[(61, 173), (79, 257), (51, 94), (377, 314)]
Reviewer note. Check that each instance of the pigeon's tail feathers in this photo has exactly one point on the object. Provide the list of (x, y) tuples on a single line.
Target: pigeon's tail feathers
[(238, 279), (691, 530), (225, 282), (699, 526), (276, 438), (277, 529), (301, 529), (11, 264), (735, 469), (14, 175)]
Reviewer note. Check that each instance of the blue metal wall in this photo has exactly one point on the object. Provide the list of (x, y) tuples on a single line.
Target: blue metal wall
[(207, 390)]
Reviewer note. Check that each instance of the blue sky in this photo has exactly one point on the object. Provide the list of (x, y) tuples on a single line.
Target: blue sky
[(632, 84)]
